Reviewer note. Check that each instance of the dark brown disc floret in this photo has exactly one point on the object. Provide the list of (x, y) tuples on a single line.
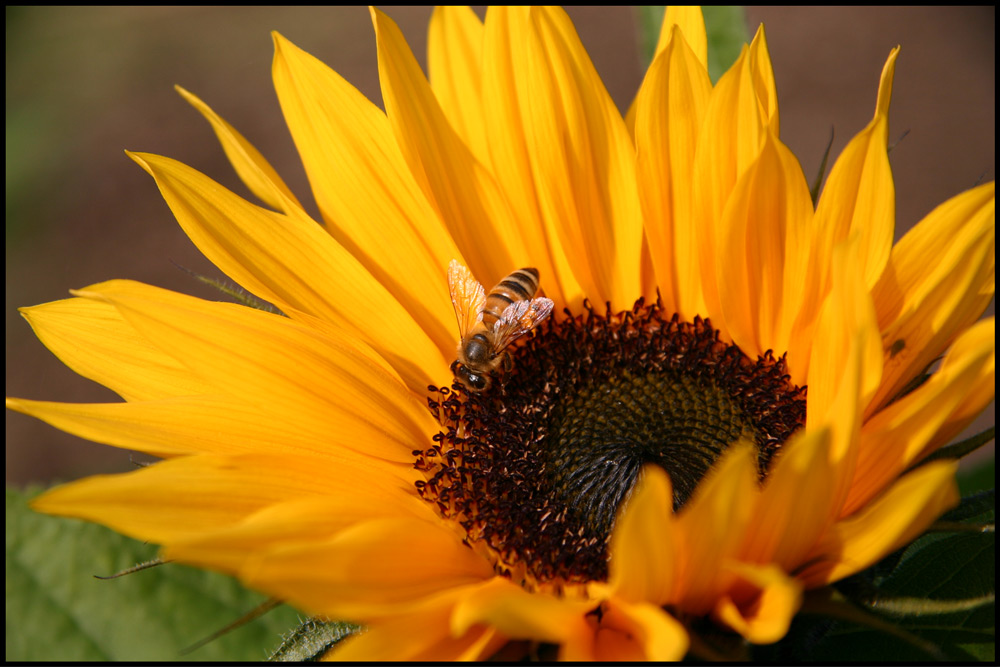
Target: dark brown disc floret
[(537, 467)]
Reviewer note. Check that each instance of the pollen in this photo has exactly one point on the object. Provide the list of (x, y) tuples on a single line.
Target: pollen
[(536, 468)]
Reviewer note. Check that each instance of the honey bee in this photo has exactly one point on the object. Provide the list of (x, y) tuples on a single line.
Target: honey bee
[(488, 324)]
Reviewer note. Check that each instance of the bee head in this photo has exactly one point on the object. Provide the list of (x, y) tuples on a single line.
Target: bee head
[(473, 381)]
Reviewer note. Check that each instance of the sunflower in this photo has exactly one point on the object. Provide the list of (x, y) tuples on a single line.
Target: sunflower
[(728, 407)]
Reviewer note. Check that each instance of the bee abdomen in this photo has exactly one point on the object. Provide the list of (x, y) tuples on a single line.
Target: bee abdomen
[(520, 285)]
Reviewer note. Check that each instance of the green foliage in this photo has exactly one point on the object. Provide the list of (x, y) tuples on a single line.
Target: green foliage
[(58, 611), (725, 26), (980, 478), (649, 19), (727, 33)]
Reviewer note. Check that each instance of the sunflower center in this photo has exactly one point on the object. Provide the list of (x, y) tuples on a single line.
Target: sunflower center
[(537, 467), (601, 438)]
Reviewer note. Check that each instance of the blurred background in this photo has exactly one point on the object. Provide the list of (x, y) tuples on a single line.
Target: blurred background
[(84, 84)]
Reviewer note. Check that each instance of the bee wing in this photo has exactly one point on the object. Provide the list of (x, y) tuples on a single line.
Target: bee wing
[(518, 319), (467, 295)]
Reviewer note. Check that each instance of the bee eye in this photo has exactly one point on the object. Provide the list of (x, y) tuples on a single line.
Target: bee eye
[(473, 381), (461, 372)]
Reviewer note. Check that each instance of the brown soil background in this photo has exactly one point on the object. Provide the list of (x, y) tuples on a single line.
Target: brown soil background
[(83, 84)]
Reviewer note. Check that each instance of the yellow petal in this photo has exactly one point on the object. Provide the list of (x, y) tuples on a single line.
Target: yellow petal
[(518, 614), (255, 171), (892, 520), (670, 108), (455, 71), (294, 264), (511, 162), (763, 80), (914, 426), (642, 564), (365, 191), (712, 524), (417, 637), (845, 367), (981, 391), (846, 325), (728, 143), (181, 425), (630, 632), (940, 278), (764, 249), (859, 196), (459, 186), (795, 504), (690, 22), (581, 155), (379, 566), (94, 340), (761, 604), (361, 493), (287, 368), (421, 635), (183, 497)]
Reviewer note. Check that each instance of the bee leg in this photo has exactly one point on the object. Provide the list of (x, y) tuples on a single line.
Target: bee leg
[(507, 363)]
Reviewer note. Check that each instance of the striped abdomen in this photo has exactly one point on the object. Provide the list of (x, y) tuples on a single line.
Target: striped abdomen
[(520, 285)]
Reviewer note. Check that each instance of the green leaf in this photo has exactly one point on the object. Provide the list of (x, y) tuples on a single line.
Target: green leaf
[(977, 509), (726, 28), (848, 643), (727, 33), (649, 18), (956, 566), (57, 610), (979, 478)]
